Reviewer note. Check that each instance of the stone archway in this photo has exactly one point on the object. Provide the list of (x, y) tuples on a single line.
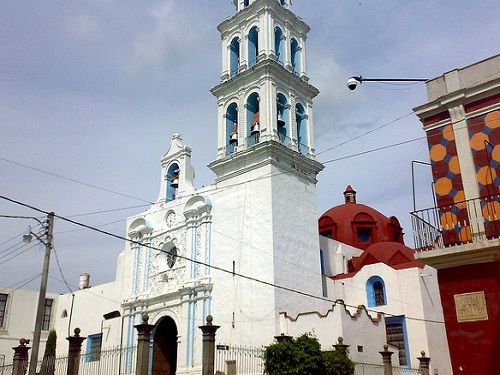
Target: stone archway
[(165, 347)]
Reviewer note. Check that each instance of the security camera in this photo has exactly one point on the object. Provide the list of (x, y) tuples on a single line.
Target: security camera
[(352, 83)]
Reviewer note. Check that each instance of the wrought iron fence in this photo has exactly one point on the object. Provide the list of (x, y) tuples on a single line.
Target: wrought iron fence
[(374, 369), (368, 369), (249, 360), (406, 371), (6, 370), (105, 362), (456, 224)]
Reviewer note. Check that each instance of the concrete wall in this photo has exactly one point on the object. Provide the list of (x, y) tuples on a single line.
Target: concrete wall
[(412, 293), (338, 321), (20, 320)]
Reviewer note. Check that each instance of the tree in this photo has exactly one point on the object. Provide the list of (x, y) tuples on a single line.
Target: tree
[(49, 356), (303, 356)]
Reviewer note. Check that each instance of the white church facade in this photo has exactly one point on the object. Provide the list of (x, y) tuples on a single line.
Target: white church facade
[(242, 249)]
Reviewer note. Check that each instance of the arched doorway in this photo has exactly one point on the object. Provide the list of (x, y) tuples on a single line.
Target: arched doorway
[(164, 347)]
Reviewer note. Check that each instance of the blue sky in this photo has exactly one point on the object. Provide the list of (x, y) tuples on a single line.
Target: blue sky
[(93, 90)]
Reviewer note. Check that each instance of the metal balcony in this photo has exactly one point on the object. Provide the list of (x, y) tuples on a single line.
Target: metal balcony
[(474, 220)]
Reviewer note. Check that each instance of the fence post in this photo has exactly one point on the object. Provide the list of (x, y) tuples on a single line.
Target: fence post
[(283, 338), (386, 357), (424, 363), (231, 367), (340, 346), (75, 348), (20, 361), (208, 346), (143, 339)]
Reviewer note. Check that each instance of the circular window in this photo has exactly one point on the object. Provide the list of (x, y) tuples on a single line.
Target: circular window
[(171, 256)]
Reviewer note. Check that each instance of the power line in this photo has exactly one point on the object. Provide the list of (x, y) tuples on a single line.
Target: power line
[(73, 180), (24, 282), (18, 254), (365, 133), (60, 269), (201, 263)]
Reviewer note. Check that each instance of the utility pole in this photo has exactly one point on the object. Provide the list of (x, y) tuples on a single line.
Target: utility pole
[(41, 297)]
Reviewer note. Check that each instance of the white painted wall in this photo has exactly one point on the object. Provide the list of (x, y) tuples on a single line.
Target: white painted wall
[(411, 292), (339, 322), (20, 320)]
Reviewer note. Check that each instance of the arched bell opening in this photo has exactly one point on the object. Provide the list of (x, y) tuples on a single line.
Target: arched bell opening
[(234, 56), (283, 121), (253, 119), (232, 128), (164, 351), (279, 39), (302, 131), (295, 55), (253, 46), (173, 173)]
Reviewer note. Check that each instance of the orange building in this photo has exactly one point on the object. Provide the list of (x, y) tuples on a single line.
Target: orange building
[(461, 236)]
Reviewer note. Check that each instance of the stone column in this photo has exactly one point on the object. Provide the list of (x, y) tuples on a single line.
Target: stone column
[(283, 338), (20, 363), (340, 346), (231, 367), (75, 348), (143, 342), (386, 357), (208, 346), (424, 363)]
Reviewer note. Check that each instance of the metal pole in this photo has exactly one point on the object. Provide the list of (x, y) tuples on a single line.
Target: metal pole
[(41, 297), (413, 179)]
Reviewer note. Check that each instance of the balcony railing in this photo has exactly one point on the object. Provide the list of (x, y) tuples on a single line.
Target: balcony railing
[(457, 224)]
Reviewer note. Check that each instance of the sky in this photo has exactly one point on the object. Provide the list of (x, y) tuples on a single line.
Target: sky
[(93, 91)]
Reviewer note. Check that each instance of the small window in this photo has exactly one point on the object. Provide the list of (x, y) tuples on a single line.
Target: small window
[(3, 309), (47, 314), (375, 292), (360, 349), (364, 235), (94, 344), (64, 314)]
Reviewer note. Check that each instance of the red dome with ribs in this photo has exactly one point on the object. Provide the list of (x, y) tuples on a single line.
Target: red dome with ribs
[(358, 225)]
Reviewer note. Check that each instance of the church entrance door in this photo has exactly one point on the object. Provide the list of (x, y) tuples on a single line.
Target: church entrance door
[(165, 347)]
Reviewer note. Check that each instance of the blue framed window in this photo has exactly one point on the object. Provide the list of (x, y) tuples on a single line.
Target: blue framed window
[(94, 343), (375, 292), (395, 330)]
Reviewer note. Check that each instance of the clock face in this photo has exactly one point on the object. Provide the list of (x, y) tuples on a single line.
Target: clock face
[(170, 219)]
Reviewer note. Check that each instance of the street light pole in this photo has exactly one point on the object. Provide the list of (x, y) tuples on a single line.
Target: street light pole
[(41, 297)]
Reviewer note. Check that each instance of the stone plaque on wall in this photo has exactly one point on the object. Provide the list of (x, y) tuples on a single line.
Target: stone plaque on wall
[(471, 307)]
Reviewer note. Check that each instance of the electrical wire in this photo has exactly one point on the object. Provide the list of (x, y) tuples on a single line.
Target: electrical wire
[(73, 180), (24, 282), (60, 269), (365, 133), (18, 254), (201, 263)]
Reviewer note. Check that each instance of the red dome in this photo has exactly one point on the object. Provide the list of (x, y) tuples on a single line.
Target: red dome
[(359, 225)]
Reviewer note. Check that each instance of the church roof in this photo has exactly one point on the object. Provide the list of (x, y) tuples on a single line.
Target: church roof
[(394, 254)]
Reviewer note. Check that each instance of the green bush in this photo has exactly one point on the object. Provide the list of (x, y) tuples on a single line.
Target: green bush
[(303, 356)]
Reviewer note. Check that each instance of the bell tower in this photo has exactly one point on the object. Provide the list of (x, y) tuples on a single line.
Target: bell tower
[(264, 93), (266, 167)]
